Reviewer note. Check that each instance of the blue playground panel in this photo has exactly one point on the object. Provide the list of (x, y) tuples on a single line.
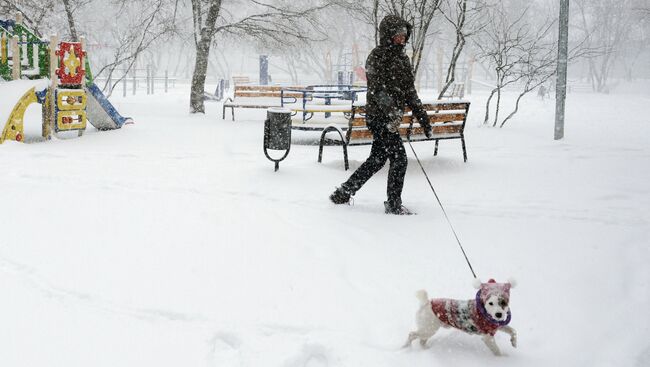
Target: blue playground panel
[(112, 120)]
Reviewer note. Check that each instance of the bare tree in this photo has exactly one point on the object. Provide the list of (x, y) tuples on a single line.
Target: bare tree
[(321, 58), (606, 24), (151, 21), (307, 58), (203, 34), (269, 21), (34, 12), (420, 13), (523, 54), (538, 65), (465, 22), (501, 44), (70, 6), (71, 22)]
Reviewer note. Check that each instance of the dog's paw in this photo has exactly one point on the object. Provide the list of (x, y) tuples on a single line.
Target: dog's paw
[(423, 344), (513, 341)]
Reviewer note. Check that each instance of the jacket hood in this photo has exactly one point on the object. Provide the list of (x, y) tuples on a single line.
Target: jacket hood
[(390, 26)]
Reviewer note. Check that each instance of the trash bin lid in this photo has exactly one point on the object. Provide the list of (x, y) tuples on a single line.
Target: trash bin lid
[(278, 110)]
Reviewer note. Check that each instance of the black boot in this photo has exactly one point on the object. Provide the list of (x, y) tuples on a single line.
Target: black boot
[(340, 196), (396, 208)]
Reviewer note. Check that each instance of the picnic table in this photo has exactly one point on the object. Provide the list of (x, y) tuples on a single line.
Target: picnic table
[(328, 93)]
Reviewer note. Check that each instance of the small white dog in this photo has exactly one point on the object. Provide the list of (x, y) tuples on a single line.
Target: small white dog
[(488, 313)]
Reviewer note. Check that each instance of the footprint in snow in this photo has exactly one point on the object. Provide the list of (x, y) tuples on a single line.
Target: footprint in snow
[(225, 350), (311, 355)]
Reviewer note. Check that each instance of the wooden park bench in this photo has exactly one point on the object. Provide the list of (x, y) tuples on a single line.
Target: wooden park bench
[(447, 120), (240, 79), (258, 96)]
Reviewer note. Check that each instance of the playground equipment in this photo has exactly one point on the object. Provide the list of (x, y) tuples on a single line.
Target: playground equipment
[(13, 130), (349, 69), (63, 102), (71, 99), (19, 43)]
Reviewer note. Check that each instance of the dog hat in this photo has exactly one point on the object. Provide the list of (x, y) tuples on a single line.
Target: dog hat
[(492, 287)]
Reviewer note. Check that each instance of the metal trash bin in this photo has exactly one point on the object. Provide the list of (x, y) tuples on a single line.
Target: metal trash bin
[(277, 132)]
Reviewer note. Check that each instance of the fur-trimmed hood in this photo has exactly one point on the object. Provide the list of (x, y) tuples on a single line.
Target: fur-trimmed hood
[(390, 26)]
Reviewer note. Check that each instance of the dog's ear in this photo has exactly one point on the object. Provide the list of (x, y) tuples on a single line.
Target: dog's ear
[(512, 281), (477, 283)]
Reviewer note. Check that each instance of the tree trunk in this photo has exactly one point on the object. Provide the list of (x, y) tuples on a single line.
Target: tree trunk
[(375, 17), (202, 54), (458, 48), (496, 115), (71, 24), (487, 106), (200, 70), (417, 59), (521, 95), (451, 72)]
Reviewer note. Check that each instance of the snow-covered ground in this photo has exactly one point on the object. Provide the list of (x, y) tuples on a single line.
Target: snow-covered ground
[(172, 242)]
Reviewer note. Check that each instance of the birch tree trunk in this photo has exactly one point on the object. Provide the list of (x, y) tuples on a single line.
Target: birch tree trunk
[(204, 40)]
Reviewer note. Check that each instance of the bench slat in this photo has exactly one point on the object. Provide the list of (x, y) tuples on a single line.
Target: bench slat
[(256, 94), (252, 94), (235, 105), (436, 130), (438, 117), (442, 106), (316, 109), (265, 88), (445, 117)]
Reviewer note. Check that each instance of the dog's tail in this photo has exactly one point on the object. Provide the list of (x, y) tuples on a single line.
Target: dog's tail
[(423, 297)]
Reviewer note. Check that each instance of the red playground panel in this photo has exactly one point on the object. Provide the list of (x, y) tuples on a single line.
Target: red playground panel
[(71, 61)]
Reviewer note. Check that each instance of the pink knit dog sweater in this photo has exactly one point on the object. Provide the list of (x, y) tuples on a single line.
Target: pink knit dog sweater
[(469, 316)]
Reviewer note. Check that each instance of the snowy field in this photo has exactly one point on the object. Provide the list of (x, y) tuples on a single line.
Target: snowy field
[(172, 242)]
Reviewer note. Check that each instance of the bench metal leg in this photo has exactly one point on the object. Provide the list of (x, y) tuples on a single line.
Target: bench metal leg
[(435, 150), (224, 106), (321, 144), (223, 112), (320, 148), (462, 140)]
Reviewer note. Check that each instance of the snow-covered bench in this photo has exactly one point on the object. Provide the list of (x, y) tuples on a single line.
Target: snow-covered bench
[(447, 121), (258, 96)]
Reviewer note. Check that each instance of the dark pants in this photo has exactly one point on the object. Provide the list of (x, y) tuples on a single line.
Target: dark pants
[(385, 146)]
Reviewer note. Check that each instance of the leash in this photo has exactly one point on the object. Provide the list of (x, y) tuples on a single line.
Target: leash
[(408, 136)]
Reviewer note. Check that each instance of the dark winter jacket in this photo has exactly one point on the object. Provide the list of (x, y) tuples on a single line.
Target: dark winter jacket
[(391, 84)]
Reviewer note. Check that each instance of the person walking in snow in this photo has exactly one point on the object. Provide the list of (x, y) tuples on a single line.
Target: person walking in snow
[(391, 87)]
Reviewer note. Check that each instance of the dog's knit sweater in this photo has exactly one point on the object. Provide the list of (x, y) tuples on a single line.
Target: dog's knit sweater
[(463, 315)]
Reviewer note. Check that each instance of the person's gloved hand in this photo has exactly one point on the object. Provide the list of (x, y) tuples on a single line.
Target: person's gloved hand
[(427, 130), (423, 119)]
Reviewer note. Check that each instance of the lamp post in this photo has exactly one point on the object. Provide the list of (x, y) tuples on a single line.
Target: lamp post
[(562, 59)]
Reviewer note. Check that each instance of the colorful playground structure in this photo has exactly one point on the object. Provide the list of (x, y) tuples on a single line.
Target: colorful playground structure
[(71, 97)]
